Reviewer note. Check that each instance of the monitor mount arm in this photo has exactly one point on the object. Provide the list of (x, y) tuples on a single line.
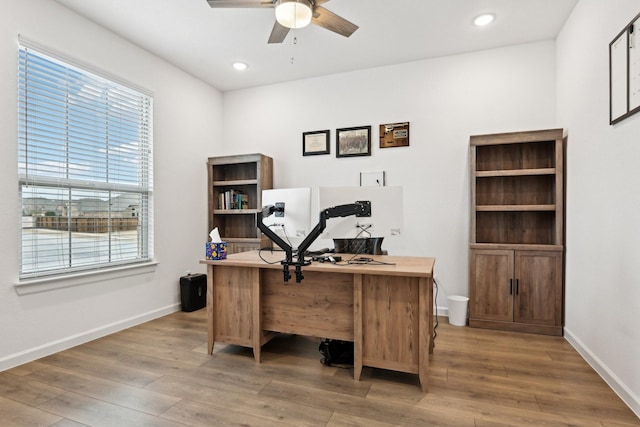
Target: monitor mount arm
[(359, 209)]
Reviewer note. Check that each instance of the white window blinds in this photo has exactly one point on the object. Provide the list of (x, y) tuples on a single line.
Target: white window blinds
[(85, 169)]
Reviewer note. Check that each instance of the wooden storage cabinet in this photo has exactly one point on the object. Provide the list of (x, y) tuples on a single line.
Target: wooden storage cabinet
[(516, 290), (517, 231), (246, 175)]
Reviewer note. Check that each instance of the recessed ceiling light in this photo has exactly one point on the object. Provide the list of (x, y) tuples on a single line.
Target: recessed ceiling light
[(484, 19), (240, 66)]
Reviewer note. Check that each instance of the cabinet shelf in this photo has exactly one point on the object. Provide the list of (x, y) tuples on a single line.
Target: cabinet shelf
[(235, 182), (515, 208), (243, 239), (519, 246), (516, 172), (235, 211)]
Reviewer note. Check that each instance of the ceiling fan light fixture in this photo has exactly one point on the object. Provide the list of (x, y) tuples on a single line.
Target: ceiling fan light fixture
[(293, 13)]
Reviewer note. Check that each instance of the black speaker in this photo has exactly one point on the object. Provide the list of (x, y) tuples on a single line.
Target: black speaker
[(193, 292)]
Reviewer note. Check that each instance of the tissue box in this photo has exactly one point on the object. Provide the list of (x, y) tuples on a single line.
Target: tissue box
[(216, 250)]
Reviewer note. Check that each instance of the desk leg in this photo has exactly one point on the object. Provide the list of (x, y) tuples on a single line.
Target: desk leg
[(211, 318), (426, 330), (431, 302), (256, 318), (357, 326)]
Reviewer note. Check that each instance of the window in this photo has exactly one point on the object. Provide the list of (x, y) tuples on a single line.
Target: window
[(85, 169)]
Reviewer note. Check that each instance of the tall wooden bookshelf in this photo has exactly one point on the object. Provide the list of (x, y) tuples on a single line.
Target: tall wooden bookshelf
[(235, 197), (517, 231)]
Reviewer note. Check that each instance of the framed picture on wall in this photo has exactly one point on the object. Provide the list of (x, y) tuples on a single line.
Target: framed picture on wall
[(353, 141), (394, 135), (316, 142), (624, 73), (377, 179)]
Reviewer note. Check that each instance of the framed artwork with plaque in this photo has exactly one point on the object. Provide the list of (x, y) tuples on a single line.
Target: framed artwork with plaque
[(394, 135)]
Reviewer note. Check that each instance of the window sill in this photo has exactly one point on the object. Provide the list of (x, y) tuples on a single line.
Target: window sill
[(32, 286)]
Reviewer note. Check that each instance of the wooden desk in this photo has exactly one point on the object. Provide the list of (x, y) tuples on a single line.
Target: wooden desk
[(386, 310)]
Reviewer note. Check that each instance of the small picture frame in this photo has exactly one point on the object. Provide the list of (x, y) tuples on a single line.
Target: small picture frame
[(394, 135), (316, 142), (373, 179), (354, 141)]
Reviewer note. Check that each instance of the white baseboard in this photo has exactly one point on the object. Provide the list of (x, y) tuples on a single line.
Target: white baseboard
[(619, 387), (442, 311), (16, 359)]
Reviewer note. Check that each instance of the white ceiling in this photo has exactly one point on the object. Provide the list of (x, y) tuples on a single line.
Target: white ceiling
[(205, 42)]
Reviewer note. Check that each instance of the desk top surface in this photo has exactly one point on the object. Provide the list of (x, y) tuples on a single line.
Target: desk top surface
[(380, 265)]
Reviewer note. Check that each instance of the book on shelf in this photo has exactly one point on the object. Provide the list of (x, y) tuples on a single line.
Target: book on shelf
[(233, 199)]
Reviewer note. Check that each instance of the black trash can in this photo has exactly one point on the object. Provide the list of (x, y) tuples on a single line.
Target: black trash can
[(193, 292)]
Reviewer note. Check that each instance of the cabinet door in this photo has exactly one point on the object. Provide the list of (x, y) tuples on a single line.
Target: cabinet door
[(538, 293), (491, 275)]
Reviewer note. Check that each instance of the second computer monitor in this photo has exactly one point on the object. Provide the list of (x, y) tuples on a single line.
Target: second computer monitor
[(386, 212), (292, 219)]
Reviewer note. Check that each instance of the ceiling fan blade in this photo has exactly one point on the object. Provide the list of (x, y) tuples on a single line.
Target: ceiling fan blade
[(332, 22), (278, 33), (240, 3), (319, 2)]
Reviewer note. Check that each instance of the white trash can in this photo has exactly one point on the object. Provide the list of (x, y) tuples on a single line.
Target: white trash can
[(458, 310)]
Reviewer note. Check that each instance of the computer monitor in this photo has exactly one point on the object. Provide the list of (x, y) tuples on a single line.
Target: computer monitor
[(292, 218), (386, 212)]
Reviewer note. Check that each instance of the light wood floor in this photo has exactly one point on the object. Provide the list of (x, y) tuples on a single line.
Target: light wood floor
[(159, 374)]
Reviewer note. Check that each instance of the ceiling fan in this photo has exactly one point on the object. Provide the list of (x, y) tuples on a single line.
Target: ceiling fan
[(293, 14)]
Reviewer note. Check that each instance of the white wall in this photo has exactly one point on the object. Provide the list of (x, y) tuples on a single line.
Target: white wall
[(603, 201), (187, 121), (446, 100)]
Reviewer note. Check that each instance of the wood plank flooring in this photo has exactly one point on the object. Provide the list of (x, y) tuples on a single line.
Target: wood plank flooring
[(158, 374)]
